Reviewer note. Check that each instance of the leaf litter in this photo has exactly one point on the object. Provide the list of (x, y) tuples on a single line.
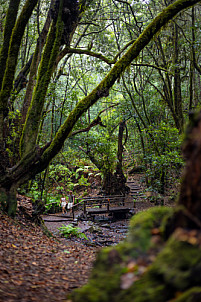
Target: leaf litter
[(37, 268)]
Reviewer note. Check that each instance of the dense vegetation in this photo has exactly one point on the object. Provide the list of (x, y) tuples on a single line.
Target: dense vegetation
[(54, 54), (103, 88)]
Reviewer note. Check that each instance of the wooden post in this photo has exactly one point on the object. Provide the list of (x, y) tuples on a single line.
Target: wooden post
[(73, 212), (108, 204), (85, 210)]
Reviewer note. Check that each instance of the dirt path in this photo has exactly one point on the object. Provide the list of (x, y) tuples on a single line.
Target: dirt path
[(36, 268)]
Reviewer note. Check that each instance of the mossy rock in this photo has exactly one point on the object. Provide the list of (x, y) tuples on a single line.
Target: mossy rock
[(176, 270), (174, 276), (113, 263), (142, 223)]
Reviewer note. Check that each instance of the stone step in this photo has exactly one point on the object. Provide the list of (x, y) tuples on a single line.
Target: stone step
[(135, 190)]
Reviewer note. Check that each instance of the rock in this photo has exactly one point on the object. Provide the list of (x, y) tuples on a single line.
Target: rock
[(94, 229), (106, 225)]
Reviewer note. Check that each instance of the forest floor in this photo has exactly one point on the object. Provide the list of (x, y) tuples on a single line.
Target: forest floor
[(37, 268)]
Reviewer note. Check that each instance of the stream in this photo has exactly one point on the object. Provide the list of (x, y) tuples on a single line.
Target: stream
[(103, 232)]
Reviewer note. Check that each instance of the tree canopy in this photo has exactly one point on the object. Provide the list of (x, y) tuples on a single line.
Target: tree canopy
[(48, 52)]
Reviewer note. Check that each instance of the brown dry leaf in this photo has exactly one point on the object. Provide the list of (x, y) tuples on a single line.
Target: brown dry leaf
[(155, 231), (156, 239), (142, 269), (17, 282), (64, 278), (191, 237), (132, 266), (34, 263)]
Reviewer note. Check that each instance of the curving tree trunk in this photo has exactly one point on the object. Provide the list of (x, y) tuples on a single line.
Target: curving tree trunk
[(34, 159)]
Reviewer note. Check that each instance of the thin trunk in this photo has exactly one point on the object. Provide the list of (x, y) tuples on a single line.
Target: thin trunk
[(177, 83), (122, 126), (191, 78)]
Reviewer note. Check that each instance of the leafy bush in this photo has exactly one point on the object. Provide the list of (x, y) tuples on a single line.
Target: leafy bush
[(69, 231), (52, 204)]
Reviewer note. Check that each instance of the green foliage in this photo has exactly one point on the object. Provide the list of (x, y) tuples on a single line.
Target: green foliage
[(59, 172), (33, 191), (69, 231), (52, 202), (150, 90), (83, 181), (164, 163)]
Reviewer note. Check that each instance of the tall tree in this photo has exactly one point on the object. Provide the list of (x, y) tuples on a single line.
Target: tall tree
[(64, 20)]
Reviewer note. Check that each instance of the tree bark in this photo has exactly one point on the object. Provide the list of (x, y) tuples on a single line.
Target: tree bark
[(190, 194)]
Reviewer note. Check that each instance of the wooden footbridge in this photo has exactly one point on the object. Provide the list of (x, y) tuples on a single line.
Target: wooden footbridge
[(116, 206), (100, 205)]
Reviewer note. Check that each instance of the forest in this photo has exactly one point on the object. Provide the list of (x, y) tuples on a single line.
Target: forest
[(94, 93)]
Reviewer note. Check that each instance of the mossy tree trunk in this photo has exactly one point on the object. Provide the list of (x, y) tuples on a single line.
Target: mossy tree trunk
[(35, 60), (189, 211), (13, 34), (10, 22), (11, 60), (35, 159)]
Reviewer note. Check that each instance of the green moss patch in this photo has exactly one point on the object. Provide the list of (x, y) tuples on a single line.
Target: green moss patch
[(116, 268)]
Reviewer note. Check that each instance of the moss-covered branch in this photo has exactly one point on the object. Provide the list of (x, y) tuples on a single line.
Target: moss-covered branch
[(85, 52), (95, 122), (102, 90), (67, 50)]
